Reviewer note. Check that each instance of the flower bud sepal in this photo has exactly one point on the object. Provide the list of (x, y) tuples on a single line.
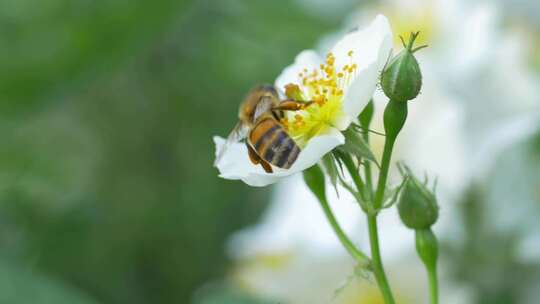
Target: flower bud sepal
[(417, 205)]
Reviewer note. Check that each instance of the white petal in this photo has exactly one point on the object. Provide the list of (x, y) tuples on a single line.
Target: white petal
[(307, 59), (365, 44), (235, 163), (371, 48), (316, 148)]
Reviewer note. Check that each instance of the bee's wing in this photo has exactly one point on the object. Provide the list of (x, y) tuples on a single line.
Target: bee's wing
[(238, 133), (264, 105)]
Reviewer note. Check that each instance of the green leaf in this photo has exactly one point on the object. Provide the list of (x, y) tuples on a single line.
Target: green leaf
[(366, 115), (329, 163), (391, 195), (356, 145), (345, 159)]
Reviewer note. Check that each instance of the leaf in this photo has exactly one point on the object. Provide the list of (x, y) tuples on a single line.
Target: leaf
[(391, 196), (355, 144), (329, 163), (366, 115)]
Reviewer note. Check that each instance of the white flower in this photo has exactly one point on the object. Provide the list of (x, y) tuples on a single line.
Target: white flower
[(339, 86)]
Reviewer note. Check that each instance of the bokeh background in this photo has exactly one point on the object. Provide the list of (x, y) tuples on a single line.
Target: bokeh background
[(107, 112)]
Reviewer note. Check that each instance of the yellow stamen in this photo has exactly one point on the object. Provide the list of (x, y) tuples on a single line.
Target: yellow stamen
[(319, 99), (325, 87), (293, 91)]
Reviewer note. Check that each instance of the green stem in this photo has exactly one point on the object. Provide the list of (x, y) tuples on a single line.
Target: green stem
[(367, 171), (359, 256), (383, 175), (395, 115), (378, 269), (433, 285), (376, 263), (365, 119), (349, 164), (428, 250)]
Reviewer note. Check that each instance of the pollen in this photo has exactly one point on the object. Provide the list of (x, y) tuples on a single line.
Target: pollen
[(324, 87), (298, 121), (319, 99), (293, 91), (285, 123)]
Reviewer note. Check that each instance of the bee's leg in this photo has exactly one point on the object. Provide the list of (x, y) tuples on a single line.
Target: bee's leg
[(291, 105), (255, 159), (266, 166)]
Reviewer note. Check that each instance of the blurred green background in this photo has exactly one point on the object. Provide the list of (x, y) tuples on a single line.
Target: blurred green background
[(107, 108)]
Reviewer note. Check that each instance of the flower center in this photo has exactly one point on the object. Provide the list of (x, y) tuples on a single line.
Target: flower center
[(325, 87)]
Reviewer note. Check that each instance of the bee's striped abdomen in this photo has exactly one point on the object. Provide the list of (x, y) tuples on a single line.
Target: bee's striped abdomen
[(273, 144)]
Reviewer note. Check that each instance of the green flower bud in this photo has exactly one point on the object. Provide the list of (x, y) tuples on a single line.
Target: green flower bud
[(401, 79), (417, 205)]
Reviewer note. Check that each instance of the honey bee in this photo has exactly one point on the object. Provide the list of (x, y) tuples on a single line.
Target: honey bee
[(259, 123)]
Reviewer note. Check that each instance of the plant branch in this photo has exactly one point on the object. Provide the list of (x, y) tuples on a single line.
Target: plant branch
[(359, 256), (378, 269)]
